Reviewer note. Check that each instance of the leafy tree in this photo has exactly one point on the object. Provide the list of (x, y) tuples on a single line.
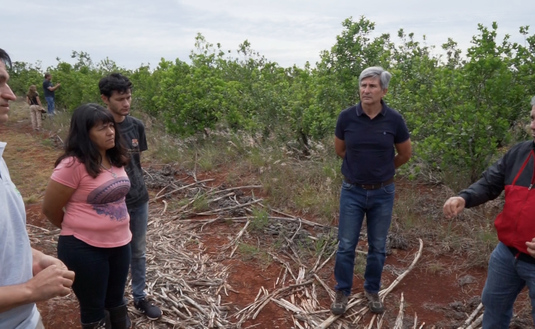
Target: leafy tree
[(190, 96), (461, 109), (23, 75), (337, 74), (146, 88), (471, 107)]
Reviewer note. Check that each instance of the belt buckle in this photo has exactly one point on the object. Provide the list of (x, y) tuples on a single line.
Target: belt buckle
[(370, 186)]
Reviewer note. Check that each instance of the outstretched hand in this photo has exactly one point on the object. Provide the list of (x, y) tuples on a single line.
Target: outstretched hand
[(453, 206)]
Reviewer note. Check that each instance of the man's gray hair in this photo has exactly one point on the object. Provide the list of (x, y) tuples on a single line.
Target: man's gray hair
[(376, 71), (533, 101)]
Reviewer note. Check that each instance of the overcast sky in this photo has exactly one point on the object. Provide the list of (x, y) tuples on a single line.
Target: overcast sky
[(135, 32)]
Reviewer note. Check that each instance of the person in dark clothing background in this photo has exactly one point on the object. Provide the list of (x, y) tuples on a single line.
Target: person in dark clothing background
[(49, 91), (116, 93)]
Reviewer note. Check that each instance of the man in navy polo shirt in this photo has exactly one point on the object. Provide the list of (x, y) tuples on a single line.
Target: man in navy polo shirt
[(373, 140)]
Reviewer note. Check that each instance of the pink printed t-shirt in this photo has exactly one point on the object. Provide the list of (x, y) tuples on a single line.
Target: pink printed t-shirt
[(96, 213)]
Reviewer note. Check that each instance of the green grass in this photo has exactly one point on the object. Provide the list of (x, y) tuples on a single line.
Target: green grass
[(325, 244), (260, 220), (200, 204), (249, 252), (435, 268)]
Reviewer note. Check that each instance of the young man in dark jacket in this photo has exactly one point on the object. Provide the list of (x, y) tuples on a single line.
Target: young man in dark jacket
[(512, 263)]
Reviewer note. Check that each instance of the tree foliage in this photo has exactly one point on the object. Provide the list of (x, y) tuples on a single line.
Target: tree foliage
[(461, 109)]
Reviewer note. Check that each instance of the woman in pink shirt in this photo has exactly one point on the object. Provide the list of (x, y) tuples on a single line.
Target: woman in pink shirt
[(85, 197)]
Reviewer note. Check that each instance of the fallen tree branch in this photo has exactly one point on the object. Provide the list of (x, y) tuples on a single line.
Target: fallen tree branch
[(182, 188), (385, 292), (211, 212), (472, 316)]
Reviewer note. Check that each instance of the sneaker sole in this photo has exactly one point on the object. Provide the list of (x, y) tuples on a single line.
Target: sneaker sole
[(337, 312)]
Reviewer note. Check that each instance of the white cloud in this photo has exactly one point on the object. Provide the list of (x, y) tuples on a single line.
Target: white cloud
[(288, 32)]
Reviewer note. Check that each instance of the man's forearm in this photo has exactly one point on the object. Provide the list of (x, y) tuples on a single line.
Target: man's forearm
[(400, 160), (14, 296)]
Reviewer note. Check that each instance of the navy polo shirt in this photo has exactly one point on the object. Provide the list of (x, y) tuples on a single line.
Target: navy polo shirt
[(370, 143), (47, 92)]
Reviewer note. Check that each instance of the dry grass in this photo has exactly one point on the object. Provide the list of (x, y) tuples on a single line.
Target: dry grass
[(27, 152)]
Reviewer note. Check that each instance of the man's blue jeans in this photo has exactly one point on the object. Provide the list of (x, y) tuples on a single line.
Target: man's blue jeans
[(355, 202), (50, 105), (101, 275), (138, 226), (506, 277)]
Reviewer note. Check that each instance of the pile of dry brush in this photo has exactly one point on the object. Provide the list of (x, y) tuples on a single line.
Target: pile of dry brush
[(190, 286)]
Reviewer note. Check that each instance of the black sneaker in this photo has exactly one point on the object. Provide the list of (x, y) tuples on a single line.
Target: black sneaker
[(339, 305), (150, 310)]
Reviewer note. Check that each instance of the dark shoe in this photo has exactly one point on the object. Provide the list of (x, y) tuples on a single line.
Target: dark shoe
[(339, 305), (119, 317), (150, 310), (102, 324), (374, 303)]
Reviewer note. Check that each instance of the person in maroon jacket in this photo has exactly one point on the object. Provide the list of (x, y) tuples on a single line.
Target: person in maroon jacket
[(512, 263)]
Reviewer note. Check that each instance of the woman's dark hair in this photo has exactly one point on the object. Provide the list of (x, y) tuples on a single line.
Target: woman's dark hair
[(79, 145)]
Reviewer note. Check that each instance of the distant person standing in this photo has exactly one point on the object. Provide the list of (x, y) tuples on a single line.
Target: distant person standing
[(49, 90), (116, 93), (32, 98)]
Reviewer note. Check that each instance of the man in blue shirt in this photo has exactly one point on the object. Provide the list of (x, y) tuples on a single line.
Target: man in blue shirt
[(26, 275), (373, 140), (49, 91)]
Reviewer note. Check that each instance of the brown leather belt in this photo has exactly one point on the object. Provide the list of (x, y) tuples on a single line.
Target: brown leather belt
[(371, 186)]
